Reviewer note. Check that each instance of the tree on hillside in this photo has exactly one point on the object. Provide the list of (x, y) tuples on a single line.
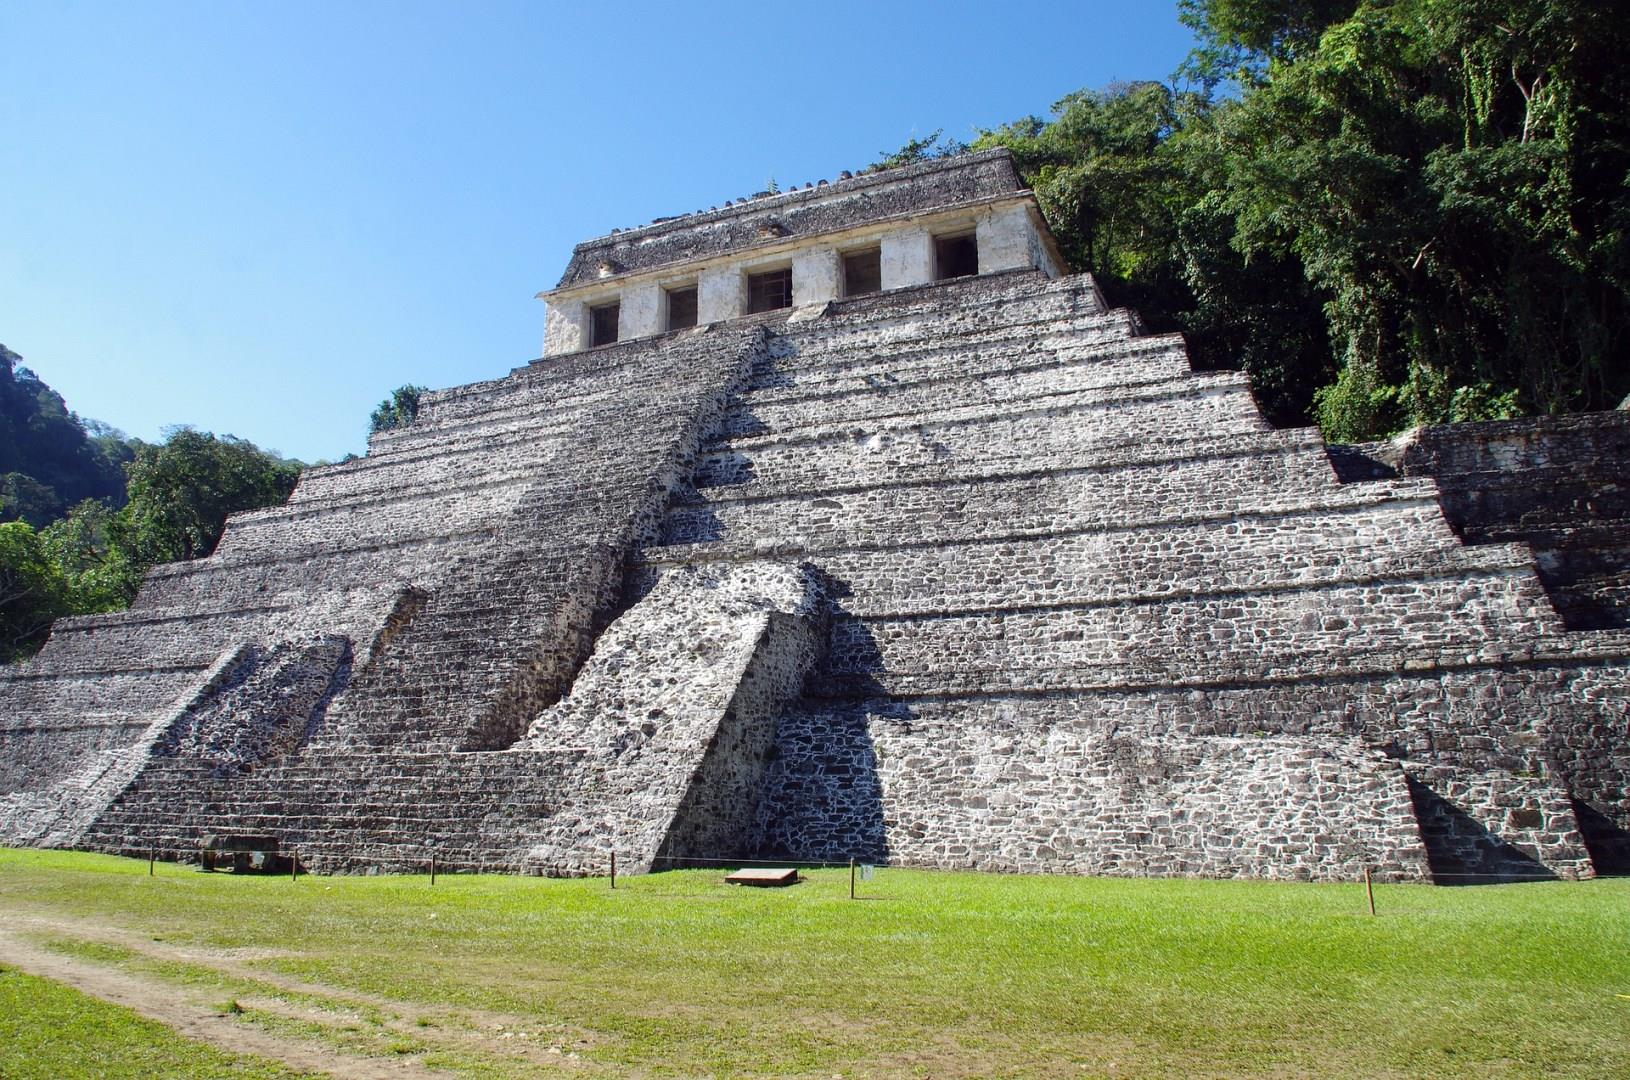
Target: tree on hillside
[(1239, 39), (32, 591), (1110, 187), (48, 459), (1451, 176), (94, 558), (91, 546)]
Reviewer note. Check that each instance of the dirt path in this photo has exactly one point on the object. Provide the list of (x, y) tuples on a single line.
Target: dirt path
[(498, 1038), (161, 1002)]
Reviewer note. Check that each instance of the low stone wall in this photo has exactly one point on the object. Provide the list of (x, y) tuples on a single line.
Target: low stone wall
[(968, 791)]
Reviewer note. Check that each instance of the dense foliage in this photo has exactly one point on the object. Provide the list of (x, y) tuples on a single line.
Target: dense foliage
[(49, 458), (1388, 213), (130, 506), (398, 410), (93, 559)]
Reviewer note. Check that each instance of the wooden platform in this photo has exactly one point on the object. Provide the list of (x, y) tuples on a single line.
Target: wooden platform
[(763, 877)]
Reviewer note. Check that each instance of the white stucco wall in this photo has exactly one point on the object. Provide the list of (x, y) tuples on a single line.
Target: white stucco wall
[(721, 293), (565, 326), (1005, 236), (908, 258), (817, 276), (641, 314)]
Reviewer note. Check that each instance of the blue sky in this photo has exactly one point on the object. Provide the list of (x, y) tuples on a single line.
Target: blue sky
[(259, 219)]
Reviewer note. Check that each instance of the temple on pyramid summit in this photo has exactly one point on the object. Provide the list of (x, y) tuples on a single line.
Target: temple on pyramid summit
[(846, 523)]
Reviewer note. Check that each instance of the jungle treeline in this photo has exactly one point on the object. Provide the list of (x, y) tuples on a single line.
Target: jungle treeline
[(85, 510), (1388, 214)]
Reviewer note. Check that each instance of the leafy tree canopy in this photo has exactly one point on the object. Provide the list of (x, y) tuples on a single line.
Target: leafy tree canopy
[(93, 558), (32, 591), (398, 410), (182, 491), (1405, 212), (49, 458)]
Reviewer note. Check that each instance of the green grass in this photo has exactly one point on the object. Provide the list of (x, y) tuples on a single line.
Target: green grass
[(933, 975), (50, 1032)]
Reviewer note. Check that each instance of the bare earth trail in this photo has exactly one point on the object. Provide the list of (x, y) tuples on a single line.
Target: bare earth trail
[(500, 1039)]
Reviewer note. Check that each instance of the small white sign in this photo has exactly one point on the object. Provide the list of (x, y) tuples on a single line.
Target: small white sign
[(865, 871)]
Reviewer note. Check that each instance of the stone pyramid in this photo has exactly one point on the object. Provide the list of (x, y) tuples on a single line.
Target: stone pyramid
[(810, 538)]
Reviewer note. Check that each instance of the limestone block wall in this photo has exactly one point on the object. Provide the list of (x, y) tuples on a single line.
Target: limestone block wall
[(462, 569), (967, 575), (1045, 537), (1555, 483), (988, 789), (677, 706)]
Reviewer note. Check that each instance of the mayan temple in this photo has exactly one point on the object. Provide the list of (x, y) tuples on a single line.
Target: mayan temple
[(845, 523)]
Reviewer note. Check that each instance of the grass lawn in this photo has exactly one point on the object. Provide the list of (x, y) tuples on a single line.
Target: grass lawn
[(48, 1032), (932, 974)]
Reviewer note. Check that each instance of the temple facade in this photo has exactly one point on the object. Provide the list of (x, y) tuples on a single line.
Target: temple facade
[(845, 523)]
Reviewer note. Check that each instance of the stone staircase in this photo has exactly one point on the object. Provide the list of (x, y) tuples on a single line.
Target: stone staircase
[(1071, 574), (378, 812), (1063, 604), (462, 568)]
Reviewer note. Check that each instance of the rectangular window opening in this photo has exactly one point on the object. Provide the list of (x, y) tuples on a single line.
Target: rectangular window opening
[(769, 291), (955, 256), (603, 324), (863, 272), (682, 307)]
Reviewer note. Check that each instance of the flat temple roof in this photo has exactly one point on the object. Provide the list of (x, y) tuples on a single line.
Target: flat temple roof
[(826, 208)]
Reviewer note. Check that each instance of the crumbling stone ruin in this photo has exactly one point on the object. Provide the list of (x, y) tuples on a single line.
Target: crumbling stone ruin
[(843, 523)]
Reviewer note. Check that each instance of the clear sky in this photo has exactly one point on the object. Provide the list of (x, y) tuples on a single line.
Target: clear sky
[(258, 219)]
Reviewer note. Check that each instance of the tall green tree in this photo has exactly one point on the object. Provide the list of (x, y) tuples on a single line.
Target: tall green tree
[(1111, 186), (182, 491), (1451, 176), (1238, 39), (32, 591), (1402, 212), (93, 548)]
